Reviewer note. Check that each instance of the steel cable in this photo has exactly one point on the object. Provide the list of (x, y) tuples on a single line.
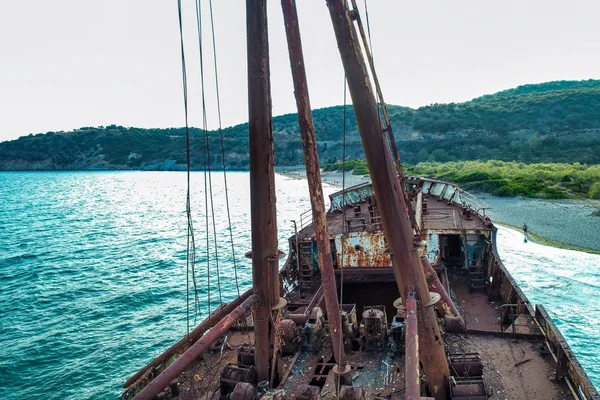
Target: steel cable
[(212, 25), (191, 244)]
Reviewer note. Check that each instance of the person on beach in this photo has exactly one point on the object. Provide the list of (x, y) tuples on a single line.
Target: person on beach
[(525, 232)]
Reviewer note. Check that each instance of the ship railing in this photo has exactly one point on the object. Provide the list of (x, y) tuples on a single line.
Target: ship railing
[(479, 206), (452, 192), (567, 366), (515, 311), (306, 219), (504, 288), (363, 222)]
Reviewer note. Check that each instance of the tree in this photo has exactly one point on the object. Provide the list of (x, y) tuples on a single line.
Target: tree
[(526, 153), (594, 192)]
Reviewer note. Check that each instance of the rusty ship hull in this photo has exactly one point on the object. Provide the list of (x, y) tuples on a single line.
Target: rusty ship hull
[(509, 348), (396, 292)]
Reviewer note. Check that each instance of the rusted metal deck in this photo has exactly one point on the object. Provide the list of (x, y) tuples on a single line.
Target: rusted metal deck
[(519, 369), (521, 353), (442, 215)]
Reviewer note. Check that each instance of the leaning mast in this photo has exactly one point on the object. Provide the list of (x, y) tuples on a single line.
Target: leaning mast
[(313, 176), (406, 262)]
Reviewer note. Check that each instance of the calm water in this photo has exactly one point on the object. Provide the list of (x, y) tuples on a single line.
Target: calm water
[(92, 271)]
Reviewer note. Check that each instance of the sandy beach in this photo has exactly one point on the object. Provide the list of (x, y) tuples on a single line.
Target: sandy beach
[(337, 178)]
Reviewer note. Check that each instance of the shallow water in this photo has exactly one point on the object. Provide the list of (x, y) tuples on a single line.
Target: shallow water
[(93, 274)]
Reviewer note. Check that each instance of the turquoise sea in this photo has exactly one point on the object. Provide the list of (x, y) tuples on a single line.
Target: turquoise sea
[(93, 274)]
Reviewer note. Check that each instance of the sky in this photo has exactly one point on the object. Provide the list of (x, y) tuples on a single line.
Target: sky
[(66, 64)]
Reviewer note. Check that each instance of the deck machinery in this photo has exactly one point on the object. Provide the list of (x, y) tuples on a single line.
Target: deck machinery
[(395, 292)]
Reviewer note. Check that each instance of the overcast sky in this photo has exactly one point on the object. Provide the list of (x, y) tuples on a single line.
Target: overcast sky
[(65, 64)]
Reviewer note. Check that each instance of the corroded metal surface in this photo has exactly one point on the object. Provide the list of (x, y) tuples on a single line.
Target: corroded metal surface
[(453, 320), (362, 249), (184, 343), (412, 369), (396, 224), (265, 271), (567, 366), (432, 248), (173, 371), (313, 175), (351, 195)]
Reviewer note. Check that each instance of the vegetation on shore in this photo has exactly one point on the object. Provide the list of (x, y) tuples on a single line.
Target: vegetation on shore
[(541, 180), (544, 180), (549, 122)]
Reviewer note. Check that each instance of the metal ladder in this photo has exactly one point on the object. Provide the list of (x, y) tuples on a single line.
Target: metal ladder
[(306, 266), (476, 268)]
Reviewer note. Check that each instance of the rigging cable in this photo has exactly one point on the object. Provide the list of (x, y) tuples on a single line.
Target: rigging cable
[(204, 147), (205, 127), (380, 99), (207, 166), (369, 31), (191, 245), (237, 286), (212, 25)]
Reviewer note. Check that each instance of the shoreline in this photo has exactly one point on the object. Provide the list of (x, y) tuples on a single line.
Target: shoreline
[(335, 179), (535, 238)]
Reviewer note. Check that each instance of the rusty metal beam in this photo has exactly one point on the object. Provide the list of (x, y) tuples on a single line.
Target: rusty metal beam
[(386, 116), (386, 184), (313, 175), (452, 319), (412, 368), (265, 271), (419, 211), (187, 358), (208, 322)]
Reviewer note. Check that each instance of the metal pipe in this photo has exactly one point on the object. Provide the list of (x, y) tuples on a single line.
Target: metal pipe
[(187, 358), (192, 337), (313, 175), (397, 226), (453, 321), (299, 319), (265, 274), (419, 211), (297, 248), (412, 368)]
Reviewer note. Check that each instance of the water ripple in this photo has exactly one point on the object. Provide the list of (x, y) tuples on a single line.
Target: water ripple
[(93, 267), (93, 274)]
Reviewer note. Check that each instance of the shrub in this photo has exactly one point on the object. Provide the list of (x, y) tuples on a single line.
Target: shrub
[(594, 192)]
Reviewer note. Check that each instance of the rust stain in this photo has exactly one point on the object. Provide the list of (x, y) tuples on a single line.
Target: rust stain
[(362, 249)]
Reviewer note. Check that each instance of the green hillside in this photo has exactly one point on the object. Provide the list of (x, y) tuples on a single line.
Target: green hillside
[(549, 122)]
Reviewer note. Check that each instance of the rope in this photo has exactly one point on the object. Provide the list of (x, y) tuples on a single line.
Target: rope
[(369, 31), (206, 154), (212, 26), (212, 203), (191, 244), (379, 110), (207, 167)]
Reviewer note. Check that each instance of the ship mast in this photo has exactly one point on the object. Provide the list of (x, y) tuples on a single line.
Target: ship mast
[(265, 260), (313, 175), (386, 185)]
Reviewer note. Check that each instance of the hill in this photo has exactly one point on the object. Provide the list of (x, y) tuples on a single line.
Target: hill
[(549, 122)]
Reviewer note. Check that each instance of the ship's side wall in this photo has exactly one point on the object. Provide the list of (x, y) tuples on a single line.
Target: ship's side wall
[(505, 289)]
